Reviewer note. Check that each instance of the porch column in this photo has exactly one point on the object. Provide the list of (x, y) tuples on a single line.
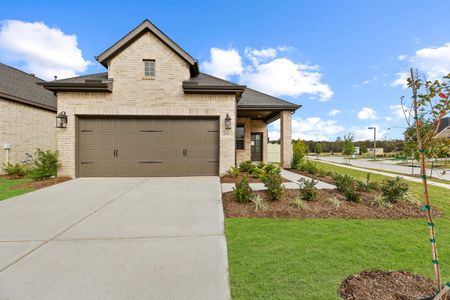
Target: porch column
[(286, 138)]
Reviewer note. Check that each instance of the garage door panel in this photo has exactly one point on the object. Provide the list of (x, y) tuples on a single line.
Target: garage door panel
[(148, 147)]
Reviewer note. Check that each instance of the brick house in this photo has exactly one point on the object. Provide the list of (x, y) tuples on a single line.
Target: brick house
[(153, 113), (27, 113)]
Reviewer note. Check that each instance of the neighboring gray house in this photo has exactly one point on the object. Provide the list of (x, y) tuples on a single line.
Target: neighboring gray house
[(153, 113), (27, 115), (443, 131)]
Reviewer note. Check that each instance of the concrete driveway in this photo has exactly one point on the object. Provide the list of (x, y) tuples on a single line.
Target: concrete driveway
[(118, 238)]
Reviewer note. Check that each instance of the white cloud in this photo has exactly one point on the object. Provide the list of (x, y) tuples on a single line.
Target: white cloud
[(363, 133), (313, 128), (388, 119), (433, 61), (334, 112), (401, 80), (367, 113), (224, 63), (399, 111), (44, 51), (266, 71)]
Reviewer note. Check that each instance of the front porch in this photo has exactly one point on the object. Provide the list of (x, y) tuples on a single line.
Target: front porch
[(252, 135)]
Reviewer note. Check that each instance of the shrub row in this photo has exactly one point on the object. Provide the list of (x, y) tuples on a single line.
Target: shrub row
[(44, 166)]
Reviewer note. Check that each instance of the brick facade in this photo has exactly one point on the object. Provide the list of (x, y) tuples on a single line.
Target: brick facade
[(133, 94), (25, 128), (286, 138)]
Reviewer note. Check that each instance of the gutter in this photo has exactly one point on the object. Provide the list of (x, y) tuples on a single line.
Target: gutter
[(28, 102), (78, 87)]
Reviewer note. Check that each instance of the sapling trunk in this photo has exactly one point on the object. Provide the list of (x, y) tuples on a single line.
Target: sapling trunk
[(423, 169)]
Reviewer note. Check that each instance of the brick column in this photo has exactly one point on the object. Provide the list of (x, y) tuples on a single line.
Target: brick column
[(286, 138)]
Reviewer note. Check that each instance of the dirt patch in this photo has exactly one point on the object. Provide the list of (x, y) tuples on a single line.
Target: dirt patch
[(387, 285), (322, 207), (39, 184), (251, 179), (11, 177)]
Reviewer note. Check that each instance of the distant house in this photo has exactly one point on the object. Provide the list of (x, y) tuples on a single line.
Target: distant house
[(27, 115), (444, 129)]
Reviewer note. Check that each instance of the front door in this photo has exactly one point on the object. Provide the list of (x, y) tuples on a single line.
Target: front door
[(256, 146)]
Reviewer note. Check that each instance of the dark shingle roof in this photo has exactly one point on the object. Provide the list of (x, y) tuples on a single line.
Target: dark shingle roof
[(250, 98), (82, 79), (22, 87)]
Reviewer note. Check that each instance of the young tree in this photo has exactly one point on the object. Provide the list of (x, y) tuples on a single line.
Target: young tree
[(430, 103), (318, 149), (347, 147), (299, 151)]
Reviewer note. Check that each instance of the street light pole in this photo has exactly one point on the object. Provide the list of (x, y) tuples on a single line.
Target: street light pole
[(374, 142)]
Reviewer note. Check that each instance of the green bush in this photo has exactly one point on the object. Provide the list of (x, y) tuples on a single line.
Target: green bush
[(15, 169), (347, 185), (45, 165), (261, 165), (273, 182), (308, 190), (246, 166), (242, 190), (321, 172), (271, 168), (299, 151), (234, 172), (258, 173), (299, 203), (394, 190), (309, 167)]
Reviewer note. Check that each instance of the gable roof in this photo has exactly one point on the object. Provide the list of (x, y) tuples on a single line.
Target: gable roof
[(134, 34), (16, 85), (250, 98)]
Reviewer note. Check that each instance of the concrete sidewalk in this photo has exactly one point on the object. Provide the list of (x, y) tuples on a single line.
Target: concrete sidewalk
[(118, 238)]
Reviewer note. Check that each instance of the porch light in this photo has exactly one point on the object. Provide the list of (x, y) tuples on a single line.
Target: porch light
[(227, 122), (61, 120)]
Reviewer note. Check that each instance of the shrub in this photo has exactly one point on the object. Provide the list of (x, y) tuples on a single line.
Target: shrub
[(261, 165), (347, 185), (309, 167), (258, 173), (271, 168), (335, 202), (15, 169), (45, 165), (321, 173), (246, 166), (299, 203), (394, 190), (381, 202), (273, 182), (233, 172), (299, 151), (308, 190), (259, 203), (367, 185), (242, 190)]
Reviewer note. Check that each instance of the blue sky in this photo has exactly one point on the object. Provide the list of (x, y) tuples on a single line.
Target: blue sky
[(345, 56)]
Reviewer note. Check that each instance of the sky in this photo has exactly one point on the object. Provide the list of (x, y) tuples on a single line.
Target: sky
[(344, 61)]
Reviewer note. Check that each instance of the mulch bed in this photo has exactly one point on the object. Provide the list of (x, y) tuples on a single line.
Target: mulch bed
[(321, 208), (39, 184), (251, 179), (387, 285), (326, 179), (11, 177)]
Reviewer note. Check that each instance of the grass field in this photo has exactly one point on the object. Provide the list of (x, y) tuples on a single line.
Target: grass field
[(5, 184), (308, 259)]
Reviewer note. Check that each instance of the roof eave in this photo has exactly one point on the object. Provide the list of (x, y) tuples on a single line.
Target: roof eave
[(28, 102), (293, 107), (78, 87), (190, 88)]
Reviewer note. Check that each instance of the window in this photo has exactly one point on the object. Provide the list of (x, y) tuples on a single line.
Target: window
[(149, 67), (240, 137)]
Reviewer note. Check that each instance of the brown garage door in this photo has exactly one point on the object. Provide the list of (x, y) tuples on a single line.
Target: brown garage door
[(115, 147)]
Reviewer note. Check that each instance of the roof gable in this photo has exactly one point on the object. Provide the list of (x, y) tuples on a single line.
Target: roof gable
[(16, 85), (144, 27)]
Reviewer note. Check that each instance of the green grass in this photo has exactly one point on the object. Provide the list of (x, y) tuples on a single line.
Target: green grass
[(308, 259), (6, 192)]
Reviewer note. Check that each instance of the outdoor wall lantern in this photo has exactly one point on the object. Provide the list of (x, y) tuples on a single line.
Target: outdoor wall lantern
[(227, 122), (61, 120)]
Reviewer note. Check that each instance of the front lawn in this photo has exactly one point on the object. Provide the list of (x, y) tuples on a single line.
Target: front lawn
[(6, 192), (309, 258)]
